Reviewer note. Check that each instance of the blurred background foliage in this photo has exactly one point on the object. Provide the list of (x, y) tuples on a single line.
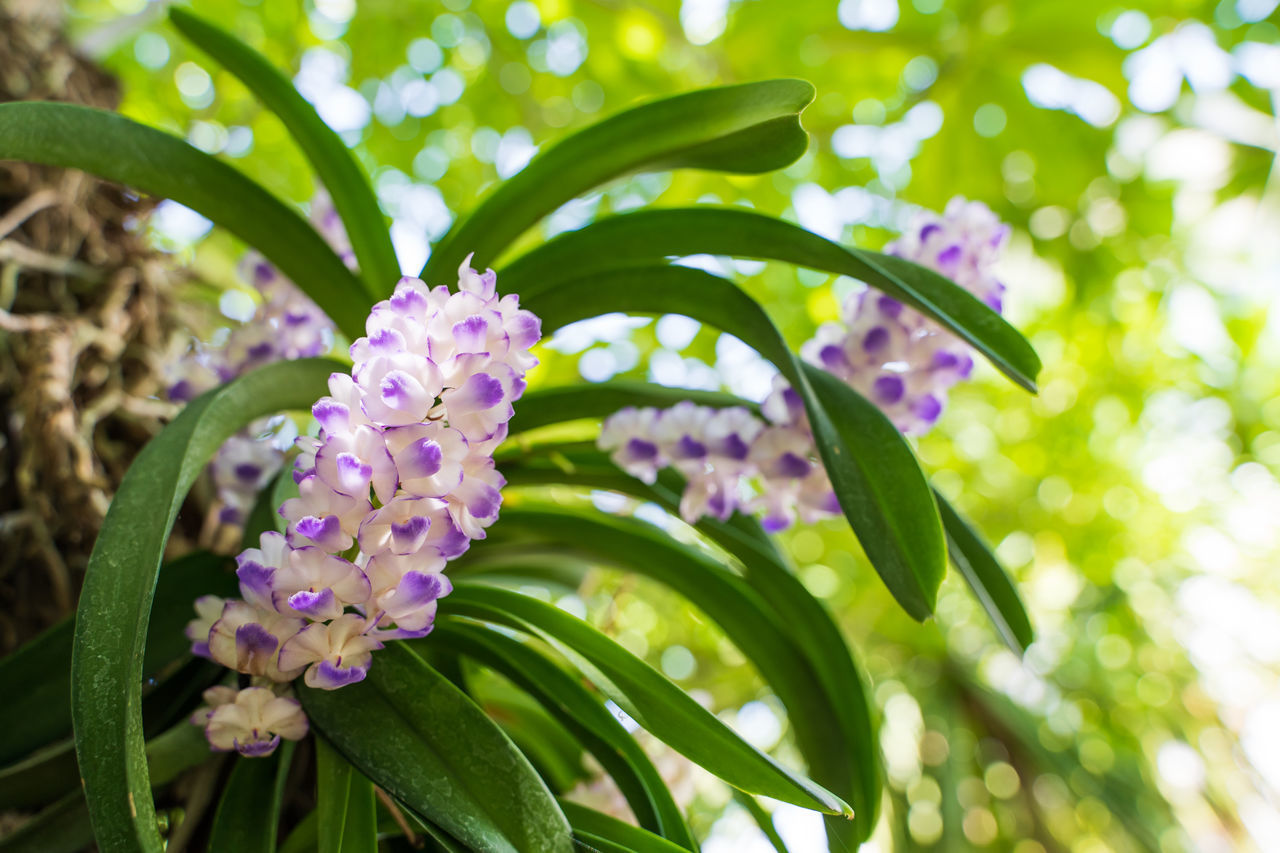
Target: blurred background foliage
[(1132, 146)]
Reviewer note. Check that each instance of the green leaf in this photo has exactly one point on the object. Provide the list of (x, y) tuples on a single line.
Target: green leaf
[(831, 749), (37, 678), (552, 749), (337, 170), (115, 604), (746, 129), (875, 475), (655, 703), (248, 815), (609, 835), (646, 236), (994, 589), (433, 749), (117, 149), (346, 805), (579, 711), (764, 569)]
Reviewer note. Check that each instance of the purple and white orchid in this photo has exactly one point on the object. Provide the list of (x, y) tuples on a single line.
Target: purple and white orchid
[(893, 355), (285, 325), (398, 482)]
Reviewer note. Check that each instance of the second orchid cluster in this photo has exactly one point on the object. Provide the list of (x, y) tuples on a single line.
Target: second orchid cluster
[(899, 359), (399, 481), (731, 459), (285, 325)]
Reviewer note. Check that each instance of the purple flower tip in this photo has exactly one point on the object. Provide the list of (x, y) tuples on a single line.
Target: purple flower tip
[(876, 339), (247, 472), (332, 677), (641, 450), (791, 465), (257, 748), (689, 447), (889, 389), (734, 447)]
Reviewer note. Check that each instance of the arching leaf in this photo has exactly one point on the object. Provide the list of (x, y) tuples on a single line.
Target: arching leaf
[(118, 149), (747, 128), (426, 743), (873, 470), (646, 236), (348, 186), (657, 704), (115, 604)]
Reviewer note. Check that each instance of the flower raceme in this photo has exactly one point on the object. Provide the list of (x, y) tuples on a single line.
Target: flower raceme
[(893, 355), (286, 325), (897, 357), (398, 482), (722, 453)]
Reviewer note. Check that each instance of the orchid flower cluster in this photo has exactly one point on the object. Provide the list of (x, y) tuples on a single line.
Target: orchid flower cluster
[(723, 453), (286, 325), (895, 356), (399, 481)]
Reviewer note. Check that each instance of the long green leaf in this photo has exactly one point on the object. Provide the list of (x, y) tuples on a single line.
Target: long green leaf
[(347, 184), (345, 803), (649, 235), (582, 713), (831, 750), (551, 748), (766, 570), (431, 747), (248, 815), (657, 704), (115, 604), (37, 677), (747, 129), (601, 832), (990, 583), (118, 149), (873, 470)]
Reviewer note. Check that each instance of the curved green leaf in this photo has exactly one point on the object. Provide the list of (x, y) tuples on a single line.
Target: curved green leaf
[(746, 129), (345, 804), (427, 744), (990, 583), (337, 170), (657, 704), (248, 814), (766, 570), (831, 750), (873, 470), (582, 713), (649, 235), (117, 149), (115, 604), (607, 834), (551, 748)]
